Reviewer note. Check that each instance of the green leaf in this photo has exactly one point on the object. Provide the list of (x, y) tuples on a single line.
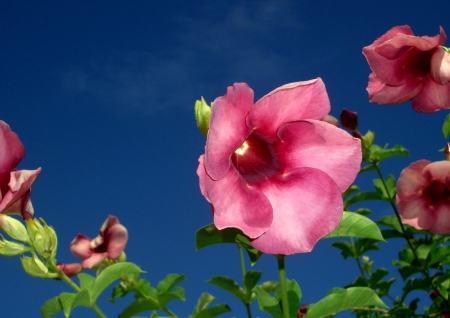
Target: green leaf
[(344, 299), (367, 168), (294, 297), (354, 224), (446, 127), (210, 235), (82, 298), (407, 271), (352, 189), (229, 285), (252, 252), (169, 281), (251, 278), (66, 302), (51, 307), (392, 222), (202, 310), (380, 154), (268, 303), (203, 302), (86, 281), (165, 297), (138, 306), (360, 197), (110, 274), (415, 284), (345, 247), (389, 193), (437, 255)]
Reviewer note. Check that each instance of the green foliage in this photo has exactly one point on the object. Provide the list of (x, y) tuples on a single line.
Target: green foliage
[(446, 127), (202, 310), (386, 189), (354, 224), (357, 249), (340, 299), (272, 304)]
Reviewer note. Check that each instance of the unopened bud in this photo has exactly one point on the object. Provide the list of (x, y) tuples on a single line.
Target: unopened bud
[(14, 228), (447, 152), (203, 116), (70, 269), (331, 120), (349, 120), (302, 310), (43, 238), (8, 248), (33, 266)]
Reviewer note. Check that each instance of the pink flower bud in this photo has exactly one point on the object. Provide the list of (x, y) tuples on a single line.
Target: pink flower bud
[(349, 120), (331, 120), (70, 269), (302, 310)]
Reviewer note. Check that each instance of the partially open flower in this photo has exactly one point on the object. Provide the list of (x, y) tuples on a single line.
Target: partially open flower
[(407, 67), (110, 243), (423, 196), (14, 185), (274, 170)]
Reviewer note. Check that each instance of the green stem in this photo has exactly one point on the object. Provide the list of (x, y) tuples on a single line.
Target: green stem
[(424, 270), (241, 256), (75, 287), (282, 274), (357, 258)]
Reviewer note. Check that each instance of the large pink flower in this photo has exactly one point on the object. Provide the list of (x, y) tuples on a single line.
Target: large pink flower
[(407, 67), (14, 184), (110, 243), (423, 196), (273, 169)]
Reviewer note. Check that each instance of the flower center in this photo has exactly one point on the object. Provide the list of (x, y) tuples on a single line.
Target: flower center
[(255, 159), (417, 62), (436, 192)]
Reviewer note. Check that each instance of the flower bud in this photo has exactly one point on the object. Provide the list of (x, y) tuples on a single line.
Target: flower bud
[(8, 248), (70, 269), (43, 237), (447, 152), (331, 120), (202, 115), (349, 120), (33, 266), (302, 310), (14, 228)]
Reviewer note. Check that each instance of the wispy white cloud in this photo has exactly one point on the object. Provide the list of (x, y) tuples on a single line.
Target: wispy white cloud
[(222, 44)]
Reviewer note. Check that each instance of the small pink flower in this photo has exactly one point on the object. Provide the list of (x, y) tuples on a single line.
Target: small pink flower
[(407, 67), (15, 185), (71, 269), (110, 243), (273, 169), (423, 196)]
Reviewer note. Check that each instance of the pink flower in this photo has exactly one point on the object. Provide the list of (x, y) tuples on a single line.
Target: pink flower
[(110, 243), (423, 196), (407, 67), (15, 185), (71, 269), (273, 169)]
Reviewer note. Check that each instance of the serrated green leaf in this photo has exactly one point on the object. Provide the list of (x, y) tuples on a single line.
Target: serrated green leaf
[(353, 224), (210, 235), (86, 281), (110, 274), (66, 302), (169, 281), (138, 306), (360, 197), (446, 127), (51, 307), (229, 285), (268, 303), (344, 299)]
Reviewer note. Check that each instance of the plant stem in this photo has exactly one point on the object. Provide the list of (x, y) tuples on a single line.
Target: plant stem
[(357, 258), (282, 275), (241, 256)]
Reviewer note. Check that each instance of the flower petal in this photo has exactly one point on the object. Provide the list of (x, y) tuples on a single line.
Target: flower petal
[(433, 97), (117, 238), (237, 204), (11, 152), (94, 260), (381, 93), (307, 205), (201, 172), (227, 128), (80, 246), (417, 213), (440, 66), (442, 224), (319, 145), (412, 181), (291, 102), (439, 171)]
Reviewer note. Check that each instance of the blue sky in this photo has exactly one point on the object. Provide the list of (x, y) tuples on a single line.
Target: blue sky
[(102, 93)]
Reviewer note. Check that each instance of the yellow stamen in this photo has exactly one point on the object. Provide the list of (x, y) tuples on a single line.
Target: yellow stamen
[(242, 149)]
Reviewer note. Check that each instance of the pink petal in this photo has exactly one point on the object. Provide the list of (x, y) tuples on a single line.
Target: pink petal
[(412, 181), (117, 238), (417, 213), (405, 29), (433, 97), (227, 129), (291, 102), (71, 269), (322, 146), (239, 205), (307, 205), (442, 224), (19, 186), (201, 172), (400, 43), (109, 222), (80, 246), (11, 152), (439, 171), (94, 260), (440, 66)]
